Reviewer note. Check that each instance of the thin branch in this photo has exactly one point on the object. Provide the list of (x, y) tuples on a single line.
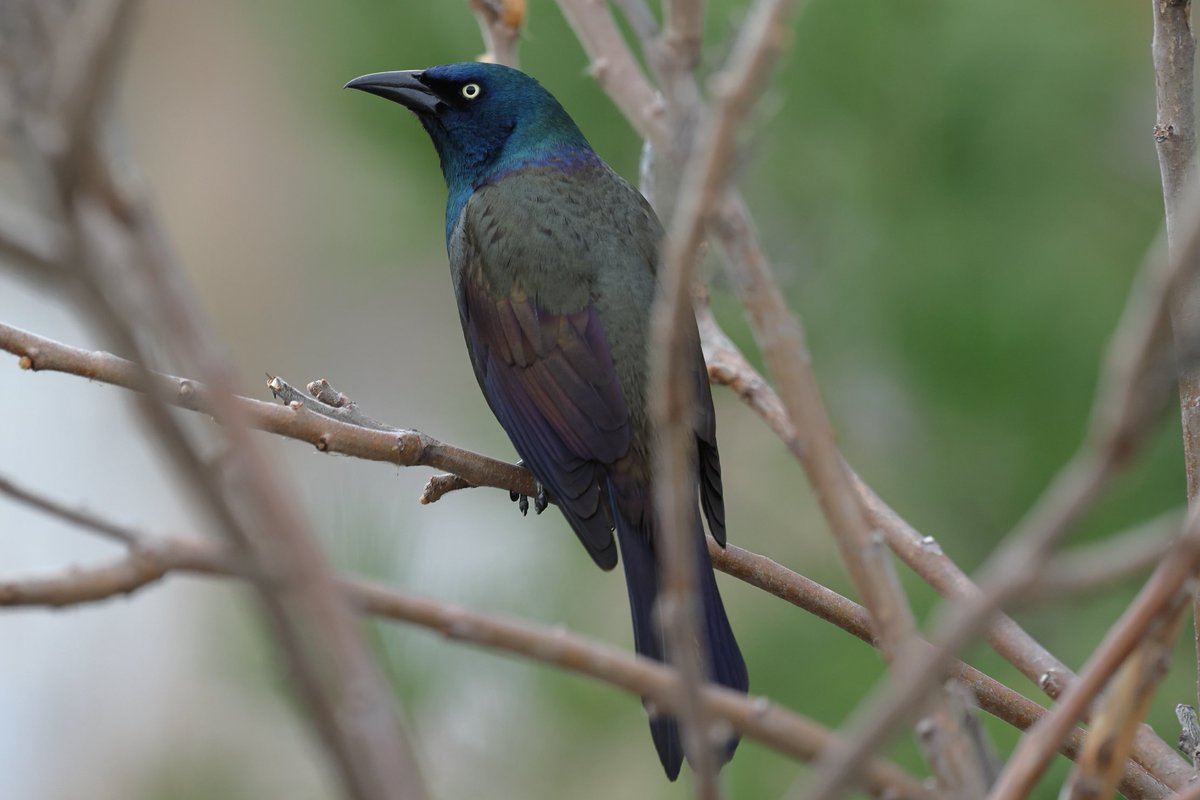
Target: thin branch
[(41, 353), (1116, 558), (80, 517), (995, 698), (28, 244), (500, 25), (616, 70), (603, 44)]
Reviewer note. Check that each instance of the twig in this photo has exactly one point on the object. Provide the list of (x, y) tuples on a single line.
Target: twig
[(150, 558), (1116, 558), (1189, 732), (1008, 639), (616, 70), (995, 698), (79, 517), (323, 399), (29, 244), (500, 25), (598, 35)]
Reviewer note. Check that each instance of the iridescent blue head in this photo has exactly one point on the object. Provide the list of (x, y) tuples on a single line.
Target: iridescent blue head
[(484, 119)]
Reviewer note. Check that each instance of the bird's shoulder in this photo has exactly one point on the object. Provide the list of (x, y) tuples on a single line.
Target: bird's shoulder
[(570, 228)]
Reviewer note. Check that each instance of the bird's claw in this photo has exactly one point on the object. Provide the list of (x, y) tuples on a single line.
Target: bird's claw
[(522, 502), (540, 501)]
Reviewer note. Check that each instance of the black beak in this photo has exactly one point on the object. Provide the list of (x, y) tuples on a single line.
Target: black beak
[(403, 87)]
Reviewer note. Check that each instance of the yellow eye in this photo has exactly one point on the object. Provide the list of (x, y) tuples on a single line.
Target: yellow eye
[(471, 91)]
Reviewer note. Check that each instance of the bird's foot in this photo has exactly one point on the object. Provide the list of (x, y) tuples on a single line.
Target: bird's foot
[(522, 502), (540, 501)]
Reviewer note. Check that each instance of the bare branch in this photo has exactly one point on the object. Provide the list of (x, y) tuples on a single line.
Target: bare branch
[(79, 517), (150, 558), (1118, 557), (616, 70), (28, 244), (500, 25)]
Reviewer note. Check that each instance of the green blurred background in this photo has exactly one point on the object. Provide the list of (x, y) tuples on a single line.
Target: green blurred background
[(955, 196)]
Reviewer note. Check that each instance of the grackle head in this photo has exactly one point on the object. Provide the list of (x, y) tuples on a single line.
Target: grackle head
[(482, 118)]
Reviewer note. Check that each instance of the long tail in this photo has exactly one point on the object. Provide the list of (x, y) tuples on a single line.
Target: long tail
[(725, 664)]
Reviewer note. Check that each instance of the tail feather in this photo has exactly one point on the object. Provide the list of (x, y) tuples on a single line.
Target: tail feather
[(725, 664)]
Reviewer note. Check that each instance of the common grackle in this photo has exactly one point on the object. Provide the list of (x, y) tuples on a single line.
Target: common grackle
[(553, 258)]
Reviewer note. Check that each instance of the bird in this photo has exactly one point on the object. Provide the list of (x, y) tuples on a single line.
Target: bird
[(553, 257)]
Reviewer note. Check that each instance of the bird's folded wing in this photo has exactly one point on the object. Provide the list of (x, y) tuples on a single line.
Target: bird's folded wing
[(550, 380)]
